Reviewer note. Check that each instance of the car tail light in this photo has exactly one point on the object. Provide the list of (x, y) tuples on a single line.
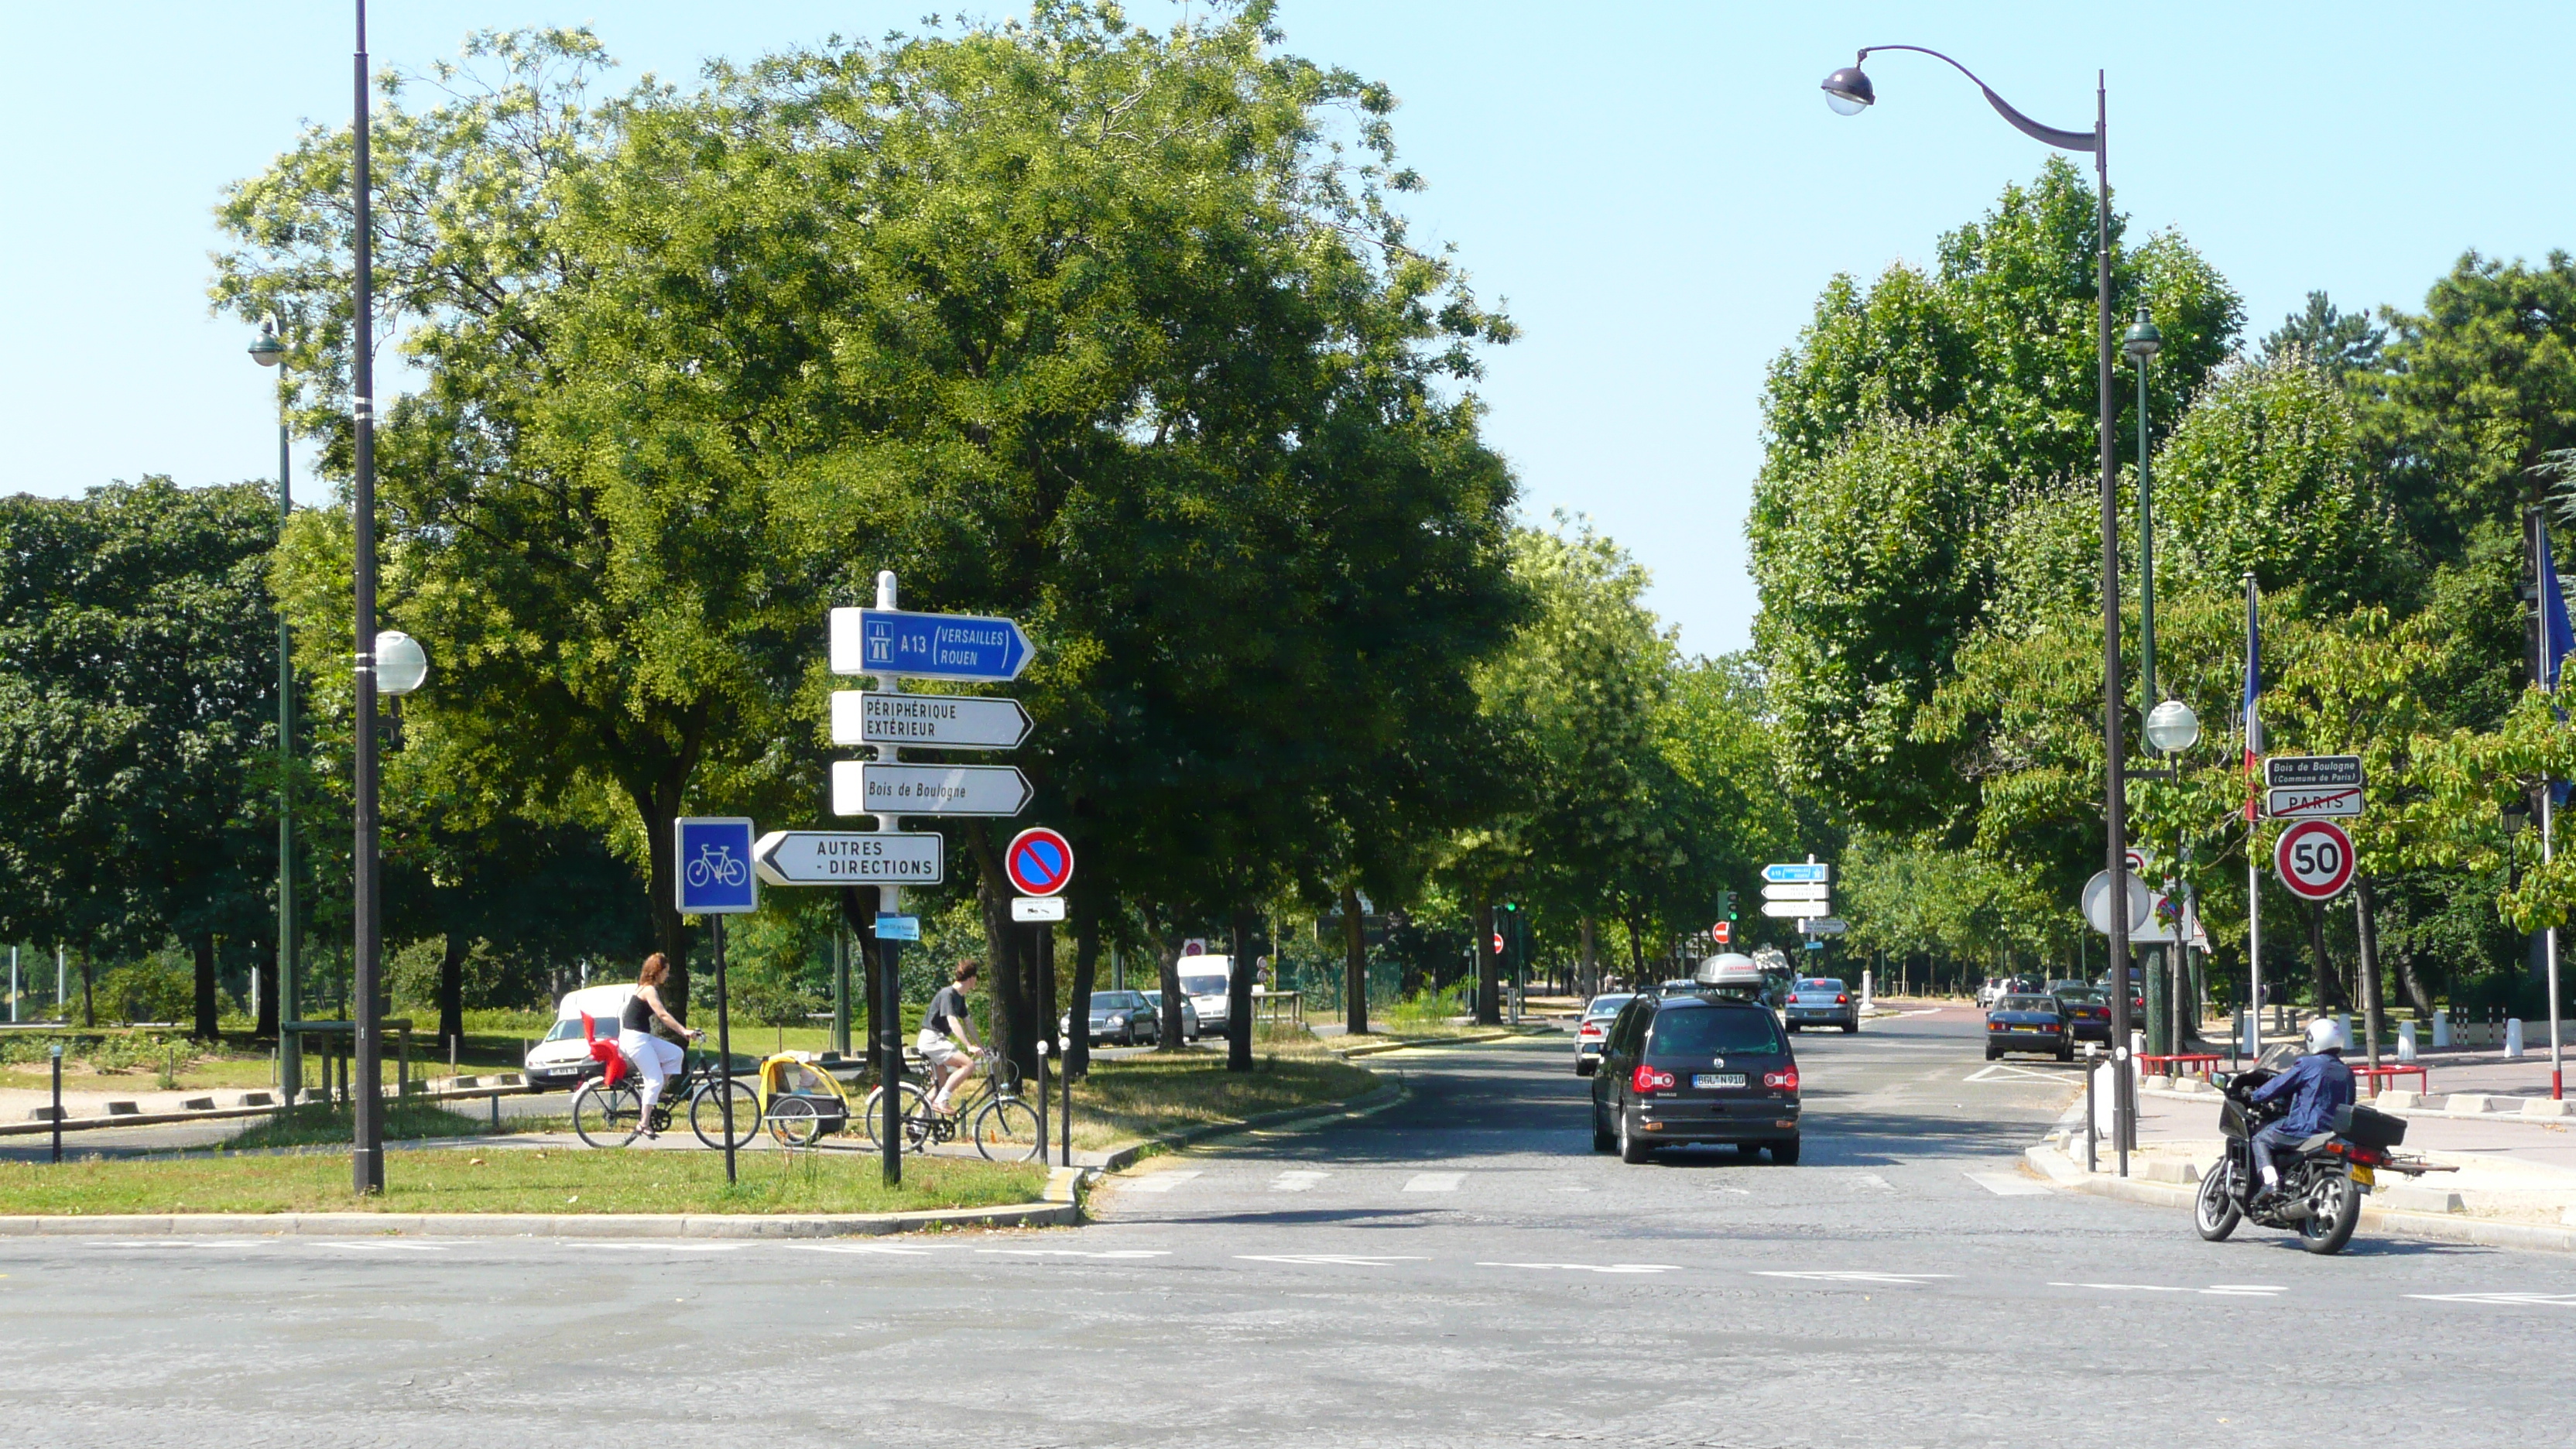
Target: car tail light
[(1842, 1001), (1647, 1079), (1786, 1079), (1994, 1026), (1589, 1030)]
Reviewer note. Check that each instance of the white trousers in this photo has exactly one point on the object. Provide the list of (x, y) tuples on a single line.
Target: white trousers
[(654, 1058)]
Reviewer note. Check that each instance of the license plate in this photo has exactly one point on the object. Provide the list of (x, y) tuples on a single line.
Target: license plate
[(2367, 1177), (1717, 1079)]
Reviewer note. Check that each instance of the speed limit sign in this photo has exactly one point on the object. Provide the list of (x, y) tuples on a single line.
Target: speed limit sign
[(2314, 859)]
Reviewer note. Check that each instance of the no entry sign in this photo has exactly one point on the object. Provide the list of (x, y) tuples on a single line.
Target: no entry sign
[(1039, 861), (2314, 859)]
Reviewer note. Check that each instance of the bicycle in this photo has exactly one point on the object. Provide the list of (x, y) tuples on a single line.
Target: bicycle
[(605, 1116), (716, 863), (1005, 1128)]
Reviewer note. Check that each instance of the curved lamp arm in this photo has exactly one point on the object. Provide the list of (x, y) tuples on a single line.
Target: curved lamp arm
[(2063, 140)]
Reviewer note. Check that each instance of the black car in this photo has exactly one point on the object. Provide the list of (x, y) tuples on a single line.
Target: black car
[(1683, 1067), (2028, 1022), (2087, 1011), (1128, 1018)]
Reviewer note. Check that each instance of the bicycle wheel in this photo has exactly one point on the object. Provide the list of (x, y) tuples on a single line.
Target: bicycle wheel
[(605, 1116), (1007, 1131), (707, 1108), (911, 1104), (793, 1121)]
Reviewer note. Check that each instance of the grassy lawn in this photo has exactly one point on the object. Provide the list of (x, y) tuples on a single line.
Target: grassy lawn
[(1422, 1029), (1158, 1092), (318, 1125), (496, 1180)]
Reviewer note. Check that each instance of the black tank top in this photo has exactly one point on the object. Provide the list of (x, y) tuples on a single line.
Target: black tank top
[(638, 1015)]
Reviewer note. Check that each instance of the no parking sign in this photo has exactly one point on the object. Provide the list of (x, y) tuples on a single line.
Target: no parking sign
[(1039, 862), (2314, 860)]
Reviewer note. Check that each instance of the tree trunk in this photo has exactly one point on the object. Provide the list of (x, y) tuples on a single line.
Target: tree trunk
[(2329, 988), (2416, 994), (1636, 956), (2366, 936), (265, 1026), (1009, 974), (1489, 976), (1238, 992), (1042, 943), (208, 1002), (89, 1002), (858, 913), (451, 993), (658, 809), (1355, 1011), (1591, 962), (1086, 971), (1175, 1010)]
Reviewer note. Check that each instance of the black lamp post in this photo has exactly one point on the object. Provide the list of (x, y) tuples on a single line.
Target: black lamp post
[(270, 351), (1849, 92), (367, 1154)]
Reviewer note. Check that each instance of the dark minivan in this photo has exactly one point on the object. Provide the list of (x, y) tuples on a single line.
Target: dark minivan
[(1689, 1068)]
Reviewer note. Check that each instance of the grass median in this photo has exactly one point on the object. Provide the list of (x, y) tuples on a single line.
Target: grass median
[(1161, 1092), (501, 1180)]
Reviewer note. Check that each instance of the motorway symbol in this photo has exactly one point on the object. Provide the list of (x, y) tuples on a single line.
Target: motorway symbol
[(1787, 910), (2314, 859), (1822, 926), (849, 857), (2312, 802), (1039, 862), (930, 646), (1037, 908), (712, 869), (947, 721), (1794, 870), (2284, 771), (1797, 891), (871, 787)]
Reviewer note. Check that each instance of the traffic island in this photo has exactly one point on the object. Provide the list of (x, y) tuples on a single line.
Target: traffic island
[(1159, 1095)]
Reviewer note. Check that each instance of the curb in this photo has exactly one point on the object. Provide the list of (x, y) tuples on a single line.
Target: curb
[(2534, 1237), (2515, 1113), (1376, 1047)]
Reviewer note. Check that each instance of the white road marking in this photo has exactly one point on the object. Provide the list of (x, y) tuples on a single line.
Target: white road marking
[(1158, 1182), (191, 1243), (2007, 1072), (382, 1247), (2503, 1300), (1434, 1181), (1075, 1253), (665, 1247), (858, 1248), (2214, 1290), (1902, 1280), (1296, 1181), (1351, 1260), (1590, 1267), (1872, 1179), (1738, 1191), (2004, 1184)]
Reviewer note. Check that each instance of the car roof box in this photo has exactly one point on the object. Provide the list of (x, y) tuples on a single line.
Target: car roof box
[(1729, 969)]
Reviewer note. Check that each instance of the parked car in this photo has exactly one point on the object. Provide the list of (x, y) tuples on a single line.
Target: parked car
[(1995, 989), (1124, 1017), (562, 1058), (1189, 1014), (1821, 1001), (1590, 1032), (2087, 1012), (1695, 1068), (2027, 1022)]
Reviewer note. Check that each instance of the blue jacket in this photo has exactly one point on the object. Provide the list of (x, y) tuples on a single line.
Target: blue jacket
[(2323, 1083)]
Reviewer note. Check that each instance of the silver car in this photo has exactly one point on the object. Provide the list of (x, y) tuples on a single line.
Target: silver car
[(1594, 1029), (1820, 1001), (1189, 1013)]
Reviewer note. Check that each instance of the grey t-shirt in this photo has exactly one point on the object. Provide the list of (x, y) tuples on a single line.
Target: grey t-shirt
[(947, 1008)]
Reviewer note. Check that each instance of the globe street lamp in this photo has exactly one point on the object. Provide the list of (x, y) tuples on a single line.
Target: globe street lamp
[(2142, 343), (270, 351), (1849, 91), (2172, 728)]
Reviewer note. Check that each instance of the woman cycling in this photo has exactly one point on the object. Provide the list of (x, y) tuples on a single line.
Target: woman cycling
[(655, 1058)]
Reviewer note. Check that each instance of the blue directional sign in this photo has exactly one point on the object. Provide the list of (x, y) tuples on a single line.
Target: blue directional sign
[(713, 869), (930, 646), (1785, 874)]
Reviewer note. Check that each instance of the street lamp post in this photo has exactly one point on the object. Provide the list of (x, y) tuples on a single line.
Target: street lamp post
[(367, 1145), (2142, 342), (270, 351), (1849, 91)]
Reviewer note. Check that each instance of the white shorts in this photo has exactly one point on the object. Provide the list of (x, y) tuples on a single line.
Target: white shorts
[(936, 1050)]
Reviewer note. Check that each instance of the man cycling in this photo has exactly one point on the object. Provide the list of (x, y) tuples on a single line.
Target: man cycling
[(2322, 1084), (947, 1023)]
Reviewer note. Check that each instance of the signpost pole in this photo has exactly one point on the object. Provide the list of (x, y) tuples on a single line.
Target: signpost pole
[(841, 988), (890, 903), (724, 1047)]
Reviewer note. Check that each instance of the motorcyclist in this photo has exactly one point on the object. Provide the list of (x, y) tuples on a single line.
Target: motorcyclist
[(2318, 1084)]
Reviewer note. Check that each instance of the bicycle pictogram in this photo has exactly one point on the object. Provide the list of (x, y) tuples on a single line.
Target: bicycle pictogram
[(716, 863)]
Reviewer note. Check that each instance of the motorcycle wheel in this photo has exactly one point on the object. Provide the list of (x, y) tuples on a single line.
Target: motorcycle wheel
[(2214, 1212), (2334, 1208)]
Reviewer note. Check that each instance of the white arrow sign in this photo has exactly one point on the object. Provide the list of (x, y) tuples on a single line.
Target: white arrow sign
[(949, 721), (1789, 910), (1798, 891), (1792, 870), (1823, 926), (866, 787), (848, 857)]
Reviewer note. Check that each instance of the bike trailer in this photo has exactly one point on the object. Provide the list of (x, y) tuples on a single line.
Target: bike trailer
[(796, 1074)]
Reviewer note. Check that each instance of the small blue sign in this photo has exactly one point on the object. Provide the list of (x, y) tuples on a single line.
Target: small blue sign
[(713, 867), (941, 646), (1788, 874), (898, 928)]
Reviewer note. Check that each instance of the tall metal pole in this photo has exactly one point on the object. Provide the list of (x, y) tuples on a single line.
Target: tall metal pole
[(724, 1046), (888, 1010), (2253, 858), (290, 1049), (2115, 783), (367, 1156), (2542, 589)]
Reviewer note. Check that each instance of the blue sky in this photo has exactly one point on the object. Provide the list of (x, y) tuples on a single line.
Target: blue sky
[(1656, 188)]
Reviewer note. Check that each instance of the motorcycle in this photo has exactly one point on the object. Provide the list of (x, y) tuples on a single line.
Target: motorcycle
[(2322, 1178)]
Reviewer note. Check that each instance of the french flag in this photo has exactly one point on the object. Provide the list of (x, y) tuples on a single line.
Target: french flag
[(2253, 703)]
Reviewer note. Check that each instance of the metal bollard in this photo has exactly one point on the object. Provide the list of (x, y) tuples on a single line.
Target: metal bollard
[(58, 1101), (1042, 1099), (1065, 1129), (2092, 1108)]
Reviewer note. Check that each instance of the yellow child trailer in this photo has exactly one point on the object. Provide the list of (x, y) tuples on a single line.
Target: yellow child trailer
[(800, 1103)]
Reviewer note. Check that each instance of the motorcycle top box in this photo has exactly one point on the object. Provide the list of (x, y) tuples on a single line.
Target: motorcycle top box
[(2366, 1127)]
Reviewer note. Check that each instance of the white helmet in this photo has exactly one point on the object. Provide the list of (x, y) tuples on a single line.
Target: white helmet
[(2325, 1034)]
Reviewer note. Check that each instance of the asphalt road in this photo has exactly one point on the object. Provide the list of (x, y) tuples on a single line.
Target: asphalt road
[(1460, 1270)]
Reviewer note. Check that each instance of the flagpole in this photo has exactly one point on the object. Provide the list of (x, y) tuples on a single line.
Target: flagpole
[(2252, 1045)]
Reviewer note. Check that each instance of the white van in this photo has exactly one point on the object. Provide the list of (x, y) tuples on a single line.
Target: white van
[(563, 1058), (1203, 981)]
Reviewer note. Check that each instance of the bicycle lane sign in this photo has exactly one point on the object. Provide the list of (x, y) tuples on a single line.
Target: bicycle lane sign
[(712, 867)]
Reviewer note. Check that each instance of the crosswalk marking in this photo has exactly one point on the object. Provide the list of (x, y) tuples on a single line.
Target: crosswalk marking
[(1349, 1260), (1902, 1280), (2004, 1184), (2214, 1290), (1590, 1267), (1160, 1182), (1434, 1181), (1300, 1181)]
